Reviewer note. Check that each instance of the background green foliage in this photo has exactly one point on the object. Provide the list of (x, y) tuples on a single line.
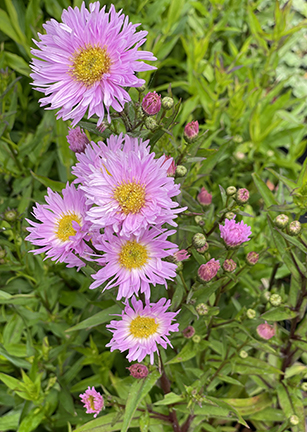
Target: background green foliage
[(239, 67)]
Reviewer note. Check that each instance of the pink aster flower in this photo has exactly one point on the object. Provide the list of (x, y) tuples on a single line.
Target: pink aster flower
[(142, 329), (85, 62), (77, 140), (204, 197), (133, 262), (93, 401), (266, 331), (130, 190), (63, 227), (138, 370), (208, 271), (181, 255), (151, 103), (234, 233)]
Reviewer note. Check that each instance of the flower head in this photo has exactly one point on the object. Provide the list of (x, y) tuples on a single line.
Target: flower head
[(229, 265), (138, 370), (77, 140), (93, 401), (242, 196), (208, 271), (181, 255), (188, 332), (130, 189), (191, 131), (172, 167), (142, 329), (266, 331), (234, 233), (204, 197), (151, 103), (85, 62), (133, 262), (252, 258), (63, 226)]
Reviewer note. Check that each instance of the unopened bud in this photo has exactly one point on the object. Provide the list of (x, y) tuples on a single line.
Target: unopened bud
[(229, 265), (304, 386), (179, 266), (229, 215), (188, 332), (10, 215), (196, 339), (77, 140), (231, 190), (199, 220), (2, 253), (167, 103), (242, 196), (202, 309), (204, 197), (191, 131), (266, 296), (199, 240), (251, 313), (275, 300), (252, 258), (151, 104), (141, 88), (151, 123), (203, 249), (239, 155), (208, 271), (294, 228), (294, 420), (138, 370), (243, 354), (281, 221), (237, 139), (181, 171), (266, 331)]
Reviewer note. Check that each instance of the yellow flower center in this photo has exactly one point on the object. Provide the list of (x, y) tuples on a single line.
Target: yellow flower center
[(65, 228), (90, 64), (133, 255), (91, 401), (130, 196), (141, 327)]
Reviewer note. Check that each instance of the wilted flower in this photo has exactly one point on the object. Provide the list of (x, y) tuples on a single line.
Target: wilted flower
[(151, 103), (191, 131), (138, 370), (93, 401), (188, 332), (181, 255), (266, 331), (77, 140), (234, 233), (204, 197), (85, 62), (208, 271)]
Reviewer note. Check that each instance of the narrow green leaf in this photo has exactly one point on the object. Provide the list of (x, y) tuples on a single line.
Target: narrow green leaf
[(187, 352), (279, 314), (264, 191), (289, 183), (97, 319), (32, 420), (53, 184), (170, 398)]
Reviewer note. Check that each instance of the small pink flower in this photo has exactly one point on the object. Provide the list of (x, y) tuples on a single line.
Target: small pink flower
[(172, 168), (204, 197), (93, 401), (181, 255), (77, 140), (188, 332), (207, 271), (191, 131), (138, 370), (266, 331), (234, 233), (151, 103)]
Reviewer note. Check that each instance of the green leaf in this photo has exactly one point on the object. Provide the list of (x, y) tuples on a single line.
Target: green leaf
[(170, 398), (137, 393), (284, 400), (279, 314), (264, 191), (97, 319), (188, 351), (292, 240), (32, 420), (254, 366), (56, 186), (10, 382), (211, 161), (17, 63), (10, 421), (290, 184), (247, 406)]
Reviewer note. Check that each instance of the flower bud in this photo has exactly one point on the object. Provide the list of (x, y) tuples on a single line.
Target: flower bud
[(191, 131), (202, 309), (172, 168), (151, 123), (294, 228), (167, 103), (77, 140), (304, 386), (204, 197), (294, 420), (199, 220), (237, 139), (181, 255), (179, 266), (181, 171), (196, 339), (2, 253), (266, 296), (252, 258), (188, 332), (203, 249), (151, 103), (281, 221), (229, 215), (242, 196), (199, 240), (275, 300), (251, 313), (10, 215), (208, 271), (231, 190), (243, 354), (229, 265), (239, 155), (266, 331), (142, 88), (138, 370)]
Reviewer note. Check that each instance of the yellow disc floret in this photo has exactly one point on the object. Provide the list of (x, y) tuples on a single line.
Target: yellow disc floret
[(90, 64), (130, 196), (133, 255), (142, 327), (65, 228)]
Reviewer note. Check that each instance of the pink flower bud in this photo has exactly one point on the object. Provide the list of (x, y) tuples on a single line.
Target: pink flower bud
[(138, 370), (266, 331), (181, 255), (77, 140), (191, 131), (93, 401), (151, 103), (229, 265), (252, 258), (188, 332), (203, 249), (207, 271), (242, 196), (172, 166), (204, 197)]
